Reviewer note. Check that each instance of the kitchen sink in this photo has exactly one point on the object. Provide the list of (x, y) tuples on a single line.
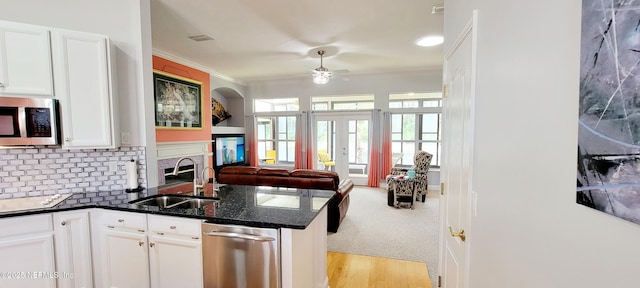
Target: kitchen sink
[(174, 201), (196, 203), (161, 201)]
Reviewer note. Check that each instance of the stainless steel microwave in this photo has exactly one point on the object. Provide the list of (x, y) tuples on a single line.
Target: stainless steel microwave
[(29, 121)]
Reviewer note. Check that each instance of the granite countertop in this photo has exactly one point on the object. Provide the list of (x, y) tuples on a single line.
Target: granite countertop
[(255, 206)]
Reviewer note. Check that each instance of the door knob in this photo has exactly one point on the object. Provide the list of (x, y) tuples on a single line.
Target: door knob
[(457, 234)]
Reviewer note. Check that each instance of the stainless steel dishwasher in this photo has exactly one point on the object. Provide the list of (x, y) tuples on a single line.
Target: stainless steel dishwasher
[(239, 256)]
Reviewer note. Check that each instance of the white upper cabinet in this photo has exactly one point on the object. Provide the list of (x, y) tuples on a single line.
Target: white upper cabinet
[(83, 86), (25, 60)]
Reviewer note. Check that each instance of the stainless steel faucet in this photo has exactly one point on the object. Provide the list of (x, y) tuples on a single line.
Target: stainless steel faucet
[(196, 186), (205, 178)]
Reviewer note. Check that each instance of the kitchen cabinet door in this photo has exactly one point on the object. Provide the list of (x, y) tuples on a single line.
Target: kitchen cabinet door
[(25, 60), (84, 88), (73, 248), (26, 252), (175, 261), (125, 259)]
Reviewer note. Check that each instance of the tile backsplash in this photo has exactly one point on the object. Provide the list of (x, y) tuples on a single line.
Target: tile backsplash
[(26, 172)]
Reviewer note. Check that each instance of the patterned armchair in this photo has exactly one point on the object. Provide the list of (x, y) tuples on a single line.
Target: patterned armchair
[(422, 161)]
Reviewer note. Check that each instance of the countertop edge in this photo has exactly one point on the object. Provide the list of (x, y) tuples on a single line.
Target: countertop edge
[(214, 220)]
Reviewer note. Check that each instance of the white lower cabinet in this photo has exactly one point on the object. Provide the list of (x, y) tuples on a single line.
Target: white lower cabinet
[(175, 252), (126, 259), (73, 249), (168, 254), (121, 257), (26, 252)]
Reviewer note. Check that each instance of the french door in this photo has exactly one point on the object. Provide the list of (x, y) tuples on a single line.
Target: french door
[(343, 145)]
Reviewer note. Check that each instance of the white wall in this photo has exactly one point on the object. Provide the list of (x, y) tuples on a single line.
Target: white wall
[(529, 231)]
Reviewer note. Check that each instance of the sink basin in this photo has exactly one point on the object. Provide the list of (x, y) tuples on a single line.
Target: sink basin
[(196, 203), (162, 201), (174, 201)]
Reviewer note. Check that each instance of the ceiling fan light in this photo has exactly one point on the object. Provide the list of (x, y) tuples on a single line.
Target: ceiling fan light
[(321, 74), (321, 77)]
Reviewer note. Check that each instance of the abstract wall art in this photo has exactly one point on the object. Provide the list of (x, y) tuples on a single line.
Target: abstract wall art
[(178, 101), (608, 176)]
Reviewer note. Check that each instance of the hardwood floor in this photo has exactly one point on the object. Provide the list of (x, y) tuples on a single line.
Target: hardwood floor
[(355, 271)]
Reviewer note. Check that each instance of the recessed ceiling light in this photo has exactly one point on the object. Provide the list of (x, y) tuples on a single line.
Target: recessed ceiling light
[(430, 41), (200, 38)]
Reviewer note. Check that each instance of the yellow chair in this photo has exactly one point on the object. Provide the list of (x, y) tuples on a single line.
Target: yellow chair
[(324, 158), (270, 157)]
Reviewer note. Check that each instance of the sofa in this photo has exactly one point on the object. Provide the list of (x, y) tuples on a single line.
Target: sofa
[(298, 178)]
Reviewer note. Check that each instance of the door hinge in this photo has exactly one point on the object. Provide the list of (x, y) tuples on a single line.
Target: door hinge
[(441, 188), (444, 91), (439, 281)]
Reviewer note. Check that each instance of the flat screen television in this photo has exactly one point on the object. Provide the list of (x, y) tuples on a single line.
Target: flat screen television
[(229, 150)]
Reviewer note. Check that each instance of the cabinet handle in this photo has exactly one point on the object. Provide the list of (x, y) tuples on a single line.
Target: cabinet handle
[(110, 227), (1, 85), (152, 244), (68, 139), (172, 227), (63, 223), (140, 230), (239, 236), (120, 220), (195, 238), (160, 233), (140, 243)]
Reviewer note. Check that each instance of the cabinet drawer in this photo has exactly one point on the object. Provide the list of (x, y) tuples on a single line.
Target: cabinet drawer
[(127, 220), (14, 226), (174, 225)]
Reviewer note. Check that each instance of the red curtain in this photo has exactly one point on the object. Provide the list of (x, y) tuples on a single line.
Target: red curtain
[(300, 135), (386, 145), (253, 140), (373, 179), (310, 151)]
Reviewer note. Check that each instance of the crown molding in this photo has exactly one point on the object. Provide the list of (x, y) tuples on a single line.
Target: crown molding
[(211, 71)]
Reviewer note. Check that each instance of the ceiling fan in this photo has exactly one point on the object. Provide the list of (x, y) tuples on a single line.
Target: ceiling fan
[(321, 74)]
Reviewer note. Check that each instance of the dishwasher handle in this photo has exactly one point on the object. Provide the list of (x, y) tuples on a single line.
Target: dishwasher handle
[(239, 236)]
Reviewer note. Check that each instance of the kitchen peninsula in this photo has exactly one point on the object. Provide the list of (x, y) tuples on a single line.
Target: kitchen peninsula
[(122, 244)]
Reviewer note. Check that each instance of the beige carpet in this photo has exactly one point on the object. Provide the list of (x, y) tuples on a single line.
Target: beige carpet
[(372, 228)]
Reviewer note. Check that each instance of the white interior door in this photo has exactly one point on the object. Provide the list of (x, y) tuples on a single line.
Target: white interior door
[(456, 165), (346, 139)]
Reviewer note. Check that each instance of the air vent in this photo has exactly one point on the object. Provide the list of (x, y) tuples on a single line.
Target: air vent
[(200, 38), (437, 9)]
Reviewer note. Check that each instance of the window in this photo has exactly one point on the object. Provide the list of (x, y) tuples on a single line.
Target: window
[(273, 105), (276, 139), (342, 102), (276, 129), (416, 121)]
